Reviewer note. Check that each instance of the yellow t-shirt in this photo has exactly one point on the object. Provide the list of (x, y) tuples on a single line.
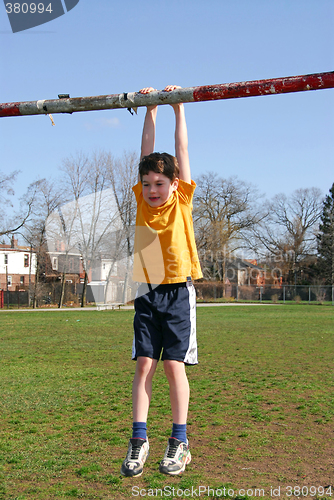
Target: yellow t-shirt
[(165, 249)]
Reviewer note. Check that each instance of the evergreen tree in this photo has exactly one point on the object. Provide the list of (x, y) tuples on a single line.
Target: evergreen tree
[(326, 239)]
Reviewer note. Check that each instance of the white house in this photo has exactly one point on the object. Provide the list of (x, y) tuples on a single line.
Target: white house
[(17, 266)]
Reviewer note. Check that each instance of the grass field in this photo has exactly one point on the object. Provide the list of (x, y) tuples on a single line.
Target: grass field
[(260, 419)]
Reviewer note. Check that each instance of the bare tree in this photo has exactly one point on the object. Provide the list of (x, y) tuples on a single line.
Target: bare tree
[(123, 175), (288, 233), (14, 223), (6, 186), (92, 215), (46, 198), (224, 209)]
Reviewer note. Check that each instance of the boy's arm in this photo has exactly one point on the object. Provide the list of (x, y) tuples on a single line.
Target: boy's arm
[(148, 137), (181, 139)]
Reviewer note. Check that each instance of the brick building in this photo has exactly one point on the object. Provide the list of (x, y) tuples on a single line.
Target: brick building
[(17, 266)]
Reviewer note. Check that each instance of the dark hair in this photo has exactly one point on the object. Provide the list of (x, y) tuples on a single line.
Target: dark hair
[(160, 163)]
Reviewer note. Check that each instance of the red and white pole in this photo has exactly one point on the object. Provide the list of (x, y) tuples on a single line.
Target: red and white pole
[(134, 100)]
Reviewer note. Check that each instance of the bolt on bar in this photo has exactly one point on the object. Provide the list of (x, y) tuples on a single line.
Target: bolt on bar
[(134, 100)]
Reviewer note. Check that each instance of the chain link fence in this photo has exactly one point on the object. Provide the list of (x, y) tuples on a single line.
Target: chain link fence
[(47, 295), (218, 292)]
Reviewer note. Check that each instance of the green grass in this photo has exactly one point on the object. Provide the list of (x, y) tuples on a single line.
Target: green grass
[(261, 412)]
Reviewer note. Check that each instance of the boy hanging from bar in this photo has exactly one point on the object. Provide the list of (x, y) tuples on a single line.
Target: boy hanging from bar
[(165, 305)]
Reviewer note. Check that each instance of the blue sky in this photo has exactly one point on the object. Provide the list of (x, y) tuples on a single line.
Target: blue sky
[(278, 143)]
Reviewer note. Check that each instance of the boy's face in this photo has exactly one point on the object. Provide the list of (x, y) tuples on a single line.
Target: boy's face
[(157, 188)]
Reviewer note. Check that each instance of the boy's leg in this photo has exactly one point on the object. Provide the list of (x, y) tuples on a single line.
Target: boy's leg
[(178, 390), (141, 397), (142, 387), (177, 454)]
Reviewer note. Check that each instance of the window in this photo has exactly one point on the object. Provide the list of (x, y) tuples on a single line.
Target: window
[(9, 280), (26, 260), (22, 280), (6, 259), (55, 263)]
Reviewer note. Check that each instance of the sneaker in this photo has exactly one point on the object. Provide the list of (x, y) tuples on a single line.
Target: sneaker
[(177, 456), (135, 457)]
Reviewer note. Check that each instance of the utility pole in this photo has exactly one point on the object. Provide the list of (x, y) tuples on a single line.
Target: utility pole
[(133, 100)]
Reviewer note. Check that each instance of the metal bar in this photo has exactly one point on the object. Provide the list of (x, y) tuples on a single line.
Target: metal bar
[(191, 94)]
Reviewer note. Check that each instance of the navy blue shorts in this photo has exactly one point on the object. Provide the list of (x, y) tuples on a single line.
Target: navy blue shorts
[(165, 321)]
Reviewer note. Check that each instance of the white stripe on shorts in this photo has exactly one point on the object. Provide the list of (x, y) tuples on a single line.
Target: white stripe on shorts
[(191, 354)]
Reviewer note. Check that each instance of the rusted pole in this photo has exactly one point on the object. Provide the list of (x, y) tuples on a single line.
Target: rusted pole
[(134, 100)]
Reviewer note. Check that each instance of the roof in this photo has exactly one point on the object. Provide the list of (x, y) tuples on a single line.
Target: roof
[(8, 248), (237, 263)]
